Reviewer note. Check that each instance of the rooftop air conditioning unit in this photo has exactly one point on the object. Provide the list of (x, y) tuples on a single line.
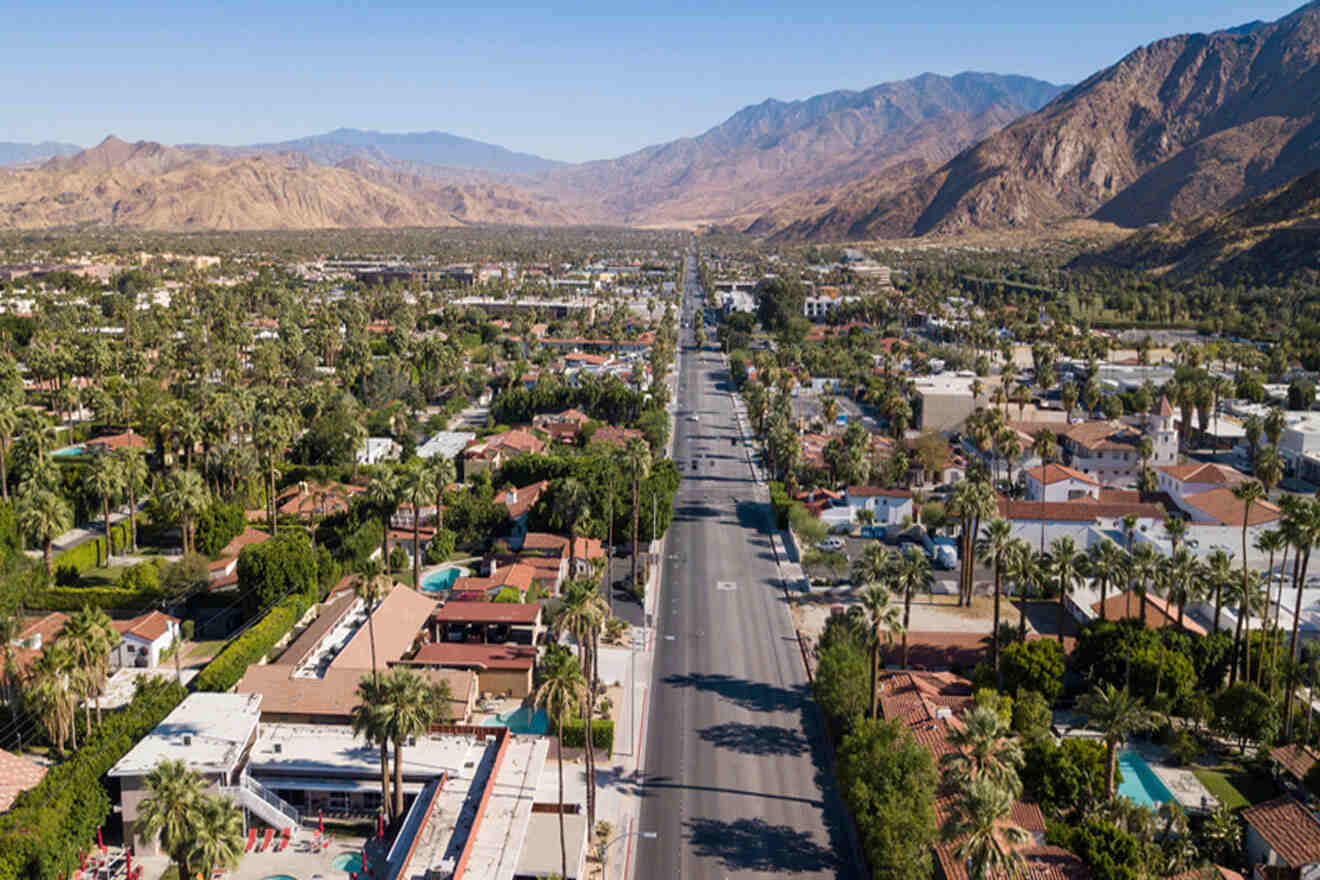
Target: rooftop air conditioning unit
[(279, 748), (187, 739), (412, 741)]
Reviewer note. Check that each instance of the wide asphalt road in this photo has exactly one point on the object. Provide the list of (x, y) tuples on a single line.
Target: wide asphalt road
[(736, 782)]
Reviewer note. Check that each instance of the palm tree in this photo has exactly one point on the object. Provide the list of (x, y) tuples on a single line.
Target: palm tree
[(43, 516), (368, 718), (1118, 715), (1065, 562), (1219, 568), (986, 840), (984, 747), (571, 503), (637, 463), (101, 480), (991, 548), (133, 474), (383, 493), (47, 691), (1270, 541), (911, 573), (10, 627), (169, 810), (1010, 448), (881, 617), (1269, 468), (88, 637), (413, 485), (8, 424), (1046, 447), (581, 613), (412, 705), (217, 835), (560, 689), (1248, 492), (370, 584), (1144, 565), (972, 501), (1020, 566), (1105, 561), (441, 473), (184, 495)]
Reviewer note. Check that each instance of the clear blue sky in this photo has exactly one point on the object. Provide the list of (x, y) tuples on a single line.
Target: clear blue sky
[(591, 79)]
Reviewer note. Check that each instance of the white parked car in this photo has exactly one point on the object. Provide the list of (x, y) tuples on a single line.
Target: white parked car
[(831, 544)]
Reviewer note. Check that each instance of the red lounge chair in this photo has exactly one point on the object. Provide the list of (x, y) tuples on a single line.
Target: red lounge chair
[(252, 839), (265, 840), (284, 841)]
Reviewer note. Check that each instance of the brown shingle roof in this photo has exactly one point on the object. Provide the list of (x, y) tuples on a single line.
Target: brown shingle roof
[(1296, 759), (1159, 612), (397, 622), (1081, 510), (327, 619), (486, 612), (1288, 828), (1042, 863), (333, 696)]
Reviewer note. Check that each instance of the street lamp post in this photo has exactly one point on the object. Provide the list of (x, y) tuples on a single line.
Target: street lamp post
[(645, 835)]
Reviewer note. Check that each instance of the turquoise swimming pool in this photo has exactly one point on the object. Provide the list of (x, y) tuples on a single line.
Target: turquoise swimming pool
[(349, 863), (441, 579), (1140, 782), (522, 720), (69, 452)]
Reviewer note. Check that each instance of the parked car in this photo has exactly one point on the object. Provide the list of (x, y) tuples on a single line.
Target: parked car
[(831, 543), (945, 553)]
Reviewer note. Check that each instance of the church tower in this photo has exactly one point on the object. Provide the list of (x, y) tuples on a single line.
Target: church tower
[(1162, 434)]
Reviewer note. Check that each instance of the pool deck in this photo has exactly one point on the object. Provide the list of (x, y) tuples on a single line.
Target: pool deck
[(1181, 782), (300, 860)]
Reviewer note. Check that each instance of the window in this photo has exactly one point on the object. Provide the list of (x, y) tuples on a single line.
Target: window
[(339, 800)]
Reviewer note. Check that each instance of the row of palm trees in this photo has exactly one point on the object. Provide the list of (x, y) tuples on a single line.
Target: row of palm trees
[(69, 671)]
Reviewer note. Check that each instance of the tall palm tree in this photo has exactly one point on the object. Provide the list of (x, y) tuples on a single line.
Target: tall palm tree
[(910, 574), (986, 841), (217, 835), (571, 503), (1065, 563), (101, 480), (441, 473), (1145, 564), (1130, 529), (581, 613), (997, 538), (184, 495), (412, 706), (1219, 566), (984, 747), (637, 463), (8, 424), (369, 720), (971, 502), (1106, 561), (882, 622), (1020, 567), (383, 493), (1270, 541), (133, 475), (413, 485), (1118, 715), (1046, 447), (169, 810), (48, 691), (370, 584), (86, 637), (560, 689), (1248, 492), (43, 516)]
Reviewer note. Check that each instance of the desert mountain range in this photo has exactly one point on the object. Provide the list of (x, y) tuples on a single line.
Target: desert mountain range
[(1187, 125)]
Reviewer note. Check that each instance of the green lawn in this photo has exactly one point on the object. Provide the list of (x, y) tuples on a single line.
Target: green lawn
[(1234, 785), (206, 649)]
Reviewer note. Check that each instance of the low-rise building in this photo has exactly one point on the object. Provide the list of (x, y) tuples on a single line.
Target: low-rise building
[(1283, 833), (144, 640), (1058, 482)]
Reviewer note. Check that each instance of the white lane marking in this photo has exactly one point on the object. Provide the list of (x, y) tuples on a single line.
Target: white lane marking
[(726, 586)]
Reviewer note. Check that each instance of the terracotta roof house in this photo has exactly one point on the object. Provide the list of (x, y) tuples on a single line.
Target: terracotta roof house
[(330, 698), (1160, 613), (1282, 832), (17, 775), (520, 501), (490, 453), (1222, 508), (519, 576), (1295, 760), (35, 634), (610, 435), (316, 499), (1043, 862), (1058, 482), (398, 622), (144, 640), (249, 537), (502, 669), (111, 442)]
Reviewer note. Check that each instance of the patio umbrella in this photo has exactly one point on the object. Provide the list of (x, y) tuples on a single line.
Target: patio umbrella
[(82, 861), (380, 825), (100, 845), (128, 857), (320, 822)]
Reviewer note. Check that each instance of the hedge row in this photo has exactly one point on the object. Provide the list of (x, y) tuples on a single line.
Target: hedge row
[(40, 837), (109, 598), (92, 553), (227, 668), (602, 734), (780, 504)]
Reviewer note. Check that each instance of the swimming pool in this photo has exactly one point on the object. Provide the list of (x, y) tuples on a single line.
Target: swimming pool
[(1140, 782), (69, 452), (441, 579), (349, 863), (522, 720)]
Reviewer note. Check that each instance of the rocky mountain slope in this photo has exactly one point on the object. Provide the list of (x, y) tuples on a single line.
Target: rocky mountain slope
[(428, 147), (1185, 124), (152, 186), (776, 147), (1269, 238)]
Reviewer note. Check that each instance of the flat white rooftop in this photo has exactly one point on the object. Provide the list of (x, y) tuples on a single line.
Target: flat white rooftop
[(498, 848), (322, 751), (207, 731)]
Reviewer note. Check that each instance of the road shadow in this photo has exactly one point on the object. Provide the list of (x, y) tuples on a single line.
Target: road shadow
[(755, 739), (756, 845), (754, 696), (754, 515)]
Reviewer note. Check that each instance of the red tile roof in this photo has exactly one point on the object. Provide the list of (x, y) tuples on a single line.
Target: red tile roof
[(17, 775), (523, 499), (487, 612), (1208, 472), (1159, 612), (612, 436), (1296, 759), (479, 656), (1081, 510), (877, 492), (119, 441), (250, 536), (1057, 473), (149, 626), (1289, 829), (1042, 863), (1222, 506), (917, 697)]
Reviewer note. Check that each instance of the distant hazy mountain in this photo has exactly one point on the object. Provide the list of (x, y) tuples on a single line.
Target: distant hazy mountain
[(1184, 125), (152, 186), (780, 147), (428, 147), (20, 154)]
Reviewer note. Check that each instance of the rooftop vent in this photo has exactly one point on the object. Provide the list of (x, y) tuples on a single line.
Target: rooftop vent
[(187, 739), (279, 748)]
